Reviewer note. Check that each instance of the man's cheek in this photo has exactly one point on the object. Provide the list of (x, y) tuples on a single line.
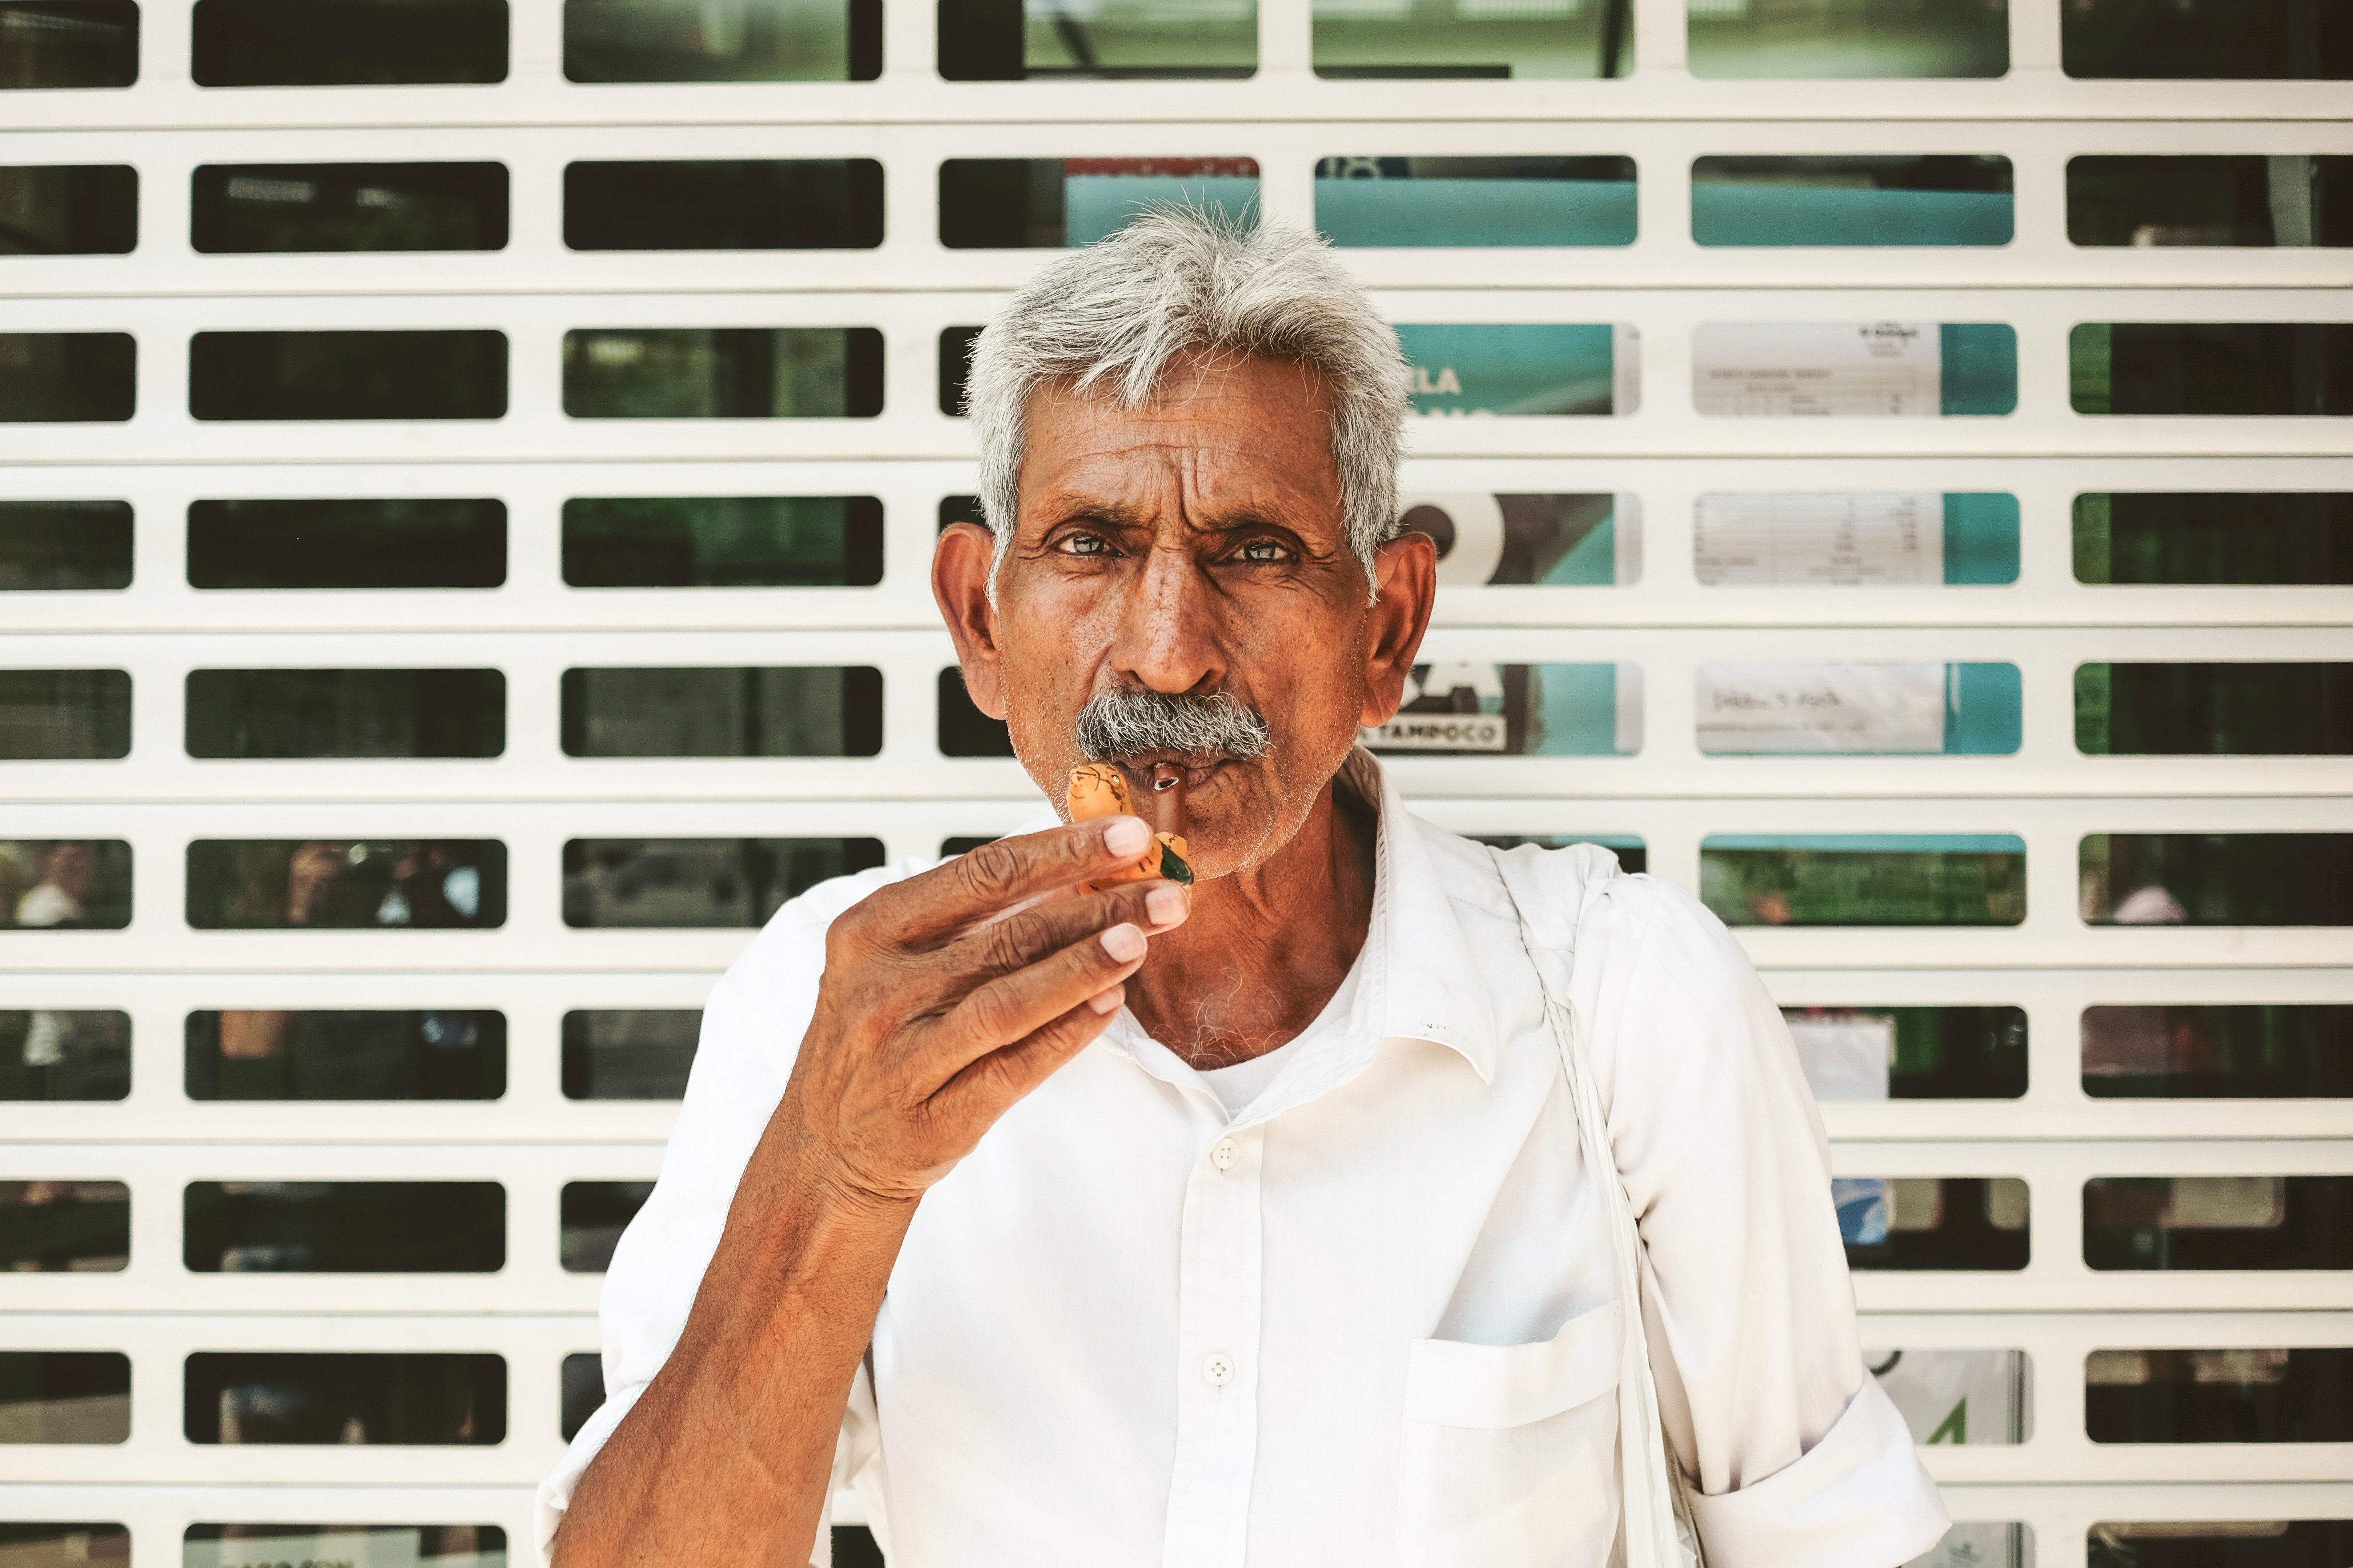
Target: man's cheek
[(1316, 703), (1040, 674)]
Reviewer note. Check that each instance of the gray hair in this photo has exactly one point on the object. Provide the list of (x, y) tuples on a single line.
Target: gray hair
[(1112, 319)]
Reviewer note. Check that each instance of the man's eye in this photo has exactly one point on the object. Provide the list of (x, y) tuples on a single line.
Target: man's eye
[(1086, 544), (1263, 551)]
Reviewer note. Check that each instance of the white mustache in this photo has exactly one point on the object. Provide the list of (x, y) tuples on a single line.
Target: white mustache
[(1126, 723)]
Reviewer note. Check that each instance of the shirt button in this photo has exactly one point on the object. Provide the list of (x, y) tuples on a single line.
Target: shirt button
[(1219, 1369), (1224, 1152)]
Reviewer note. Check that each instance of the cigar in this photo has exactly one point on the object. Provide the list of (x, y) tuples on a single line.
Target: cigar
[(1168, 800), (1101, 789)]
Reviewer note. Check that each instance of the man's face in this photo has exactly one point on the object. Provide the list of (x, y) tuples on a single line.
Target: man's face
[(1193, 546)]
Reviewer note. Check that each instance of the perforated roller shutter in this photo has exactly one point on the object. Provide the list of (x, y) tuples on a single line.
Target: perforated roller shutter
[(480, 897)]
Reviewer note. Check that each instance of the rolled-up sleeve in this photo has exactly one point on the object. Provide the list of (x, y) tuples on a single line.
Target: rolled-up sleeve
[(752, 1026), (1797, 1456)]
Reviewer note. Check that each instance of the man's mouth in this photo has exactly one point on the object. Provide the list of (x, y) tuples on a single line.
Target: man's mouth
[(1198, 769)]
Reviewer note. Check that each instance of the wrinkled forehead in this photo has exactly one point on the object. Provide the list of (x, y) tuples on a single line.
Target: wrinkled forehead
[(1219, 439)]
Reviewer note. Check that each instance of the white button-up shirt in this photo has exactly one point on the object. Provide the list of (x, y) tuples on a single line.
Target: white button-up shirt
[(1368, 1318)]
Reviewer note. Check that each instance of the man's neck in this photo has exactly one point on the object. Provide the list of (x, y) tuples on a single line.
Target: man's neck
[(1264, 949)]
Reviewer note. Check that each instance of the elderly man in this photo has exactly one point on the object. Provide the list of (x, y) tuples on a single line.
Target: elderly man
[(1081, 1221)]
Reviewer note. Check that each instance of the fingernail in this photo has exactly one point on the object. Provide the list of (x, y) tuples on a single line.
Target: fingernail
[(1165, 904), (1126, 836), (1108, 1001), (1123, 943)]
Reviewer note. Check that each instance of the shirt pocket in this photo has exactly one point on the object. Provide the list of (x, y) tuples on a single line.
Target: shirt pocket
[(1509, 1457)]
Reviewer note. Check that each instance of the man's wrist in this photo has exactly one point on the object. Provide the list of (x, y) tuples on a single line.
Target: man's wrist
[(841, 1193), (813, 1172), (819, 1229)]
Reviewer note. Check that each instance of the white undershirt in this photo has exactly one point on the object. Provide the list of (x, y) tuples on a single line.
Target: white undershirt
[(1237, 1085)]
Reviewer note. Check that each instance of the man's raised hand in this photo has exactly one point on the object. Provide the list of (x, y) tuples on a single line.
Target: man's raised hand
[(948, 996)]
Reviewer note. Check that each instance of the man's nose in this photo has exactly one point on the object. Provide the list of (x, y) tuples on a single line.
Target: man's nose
[(1168, 632)]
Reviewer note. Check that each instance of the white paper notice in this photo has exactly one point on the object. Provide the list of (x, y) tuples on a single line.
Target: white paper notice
[(1626, 537), (1883, 538), (1845, 1058), (1818, 370), (1625, 369), (1628, 689), (1784, 707)]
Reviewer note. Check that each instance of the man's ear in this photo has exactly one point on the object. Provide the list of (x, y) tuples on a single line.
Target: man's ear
[(1405, 572), (961, 564)]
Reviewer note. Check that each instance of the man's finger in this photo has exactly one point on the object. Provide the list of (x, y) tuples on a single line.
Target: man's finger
[(1010, 1006), (983, 882), (985, 1089), (1038, 932)]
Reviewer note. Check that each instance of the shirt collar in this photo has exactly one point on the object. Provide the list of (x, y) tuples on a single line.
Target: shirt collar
[(1432, 986), (1418, 979)]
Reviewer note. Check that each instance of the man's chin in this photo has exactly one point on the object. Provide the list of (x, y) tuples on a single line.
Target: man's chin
[(1232, 819)]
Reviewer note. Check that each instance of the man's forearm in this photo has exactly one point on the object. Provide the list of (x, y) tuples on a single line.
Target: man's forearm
[(726, 1457), (936, 1010)]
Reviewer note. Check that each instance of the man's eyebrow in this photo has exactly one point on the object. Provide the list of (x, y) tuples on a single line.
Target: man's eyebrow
[(1244, 521), (1059, 510)]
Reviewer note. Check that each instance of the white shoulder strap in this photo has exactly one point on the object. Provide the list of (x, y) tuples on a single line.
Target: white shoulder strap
[(1656, 1527)]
